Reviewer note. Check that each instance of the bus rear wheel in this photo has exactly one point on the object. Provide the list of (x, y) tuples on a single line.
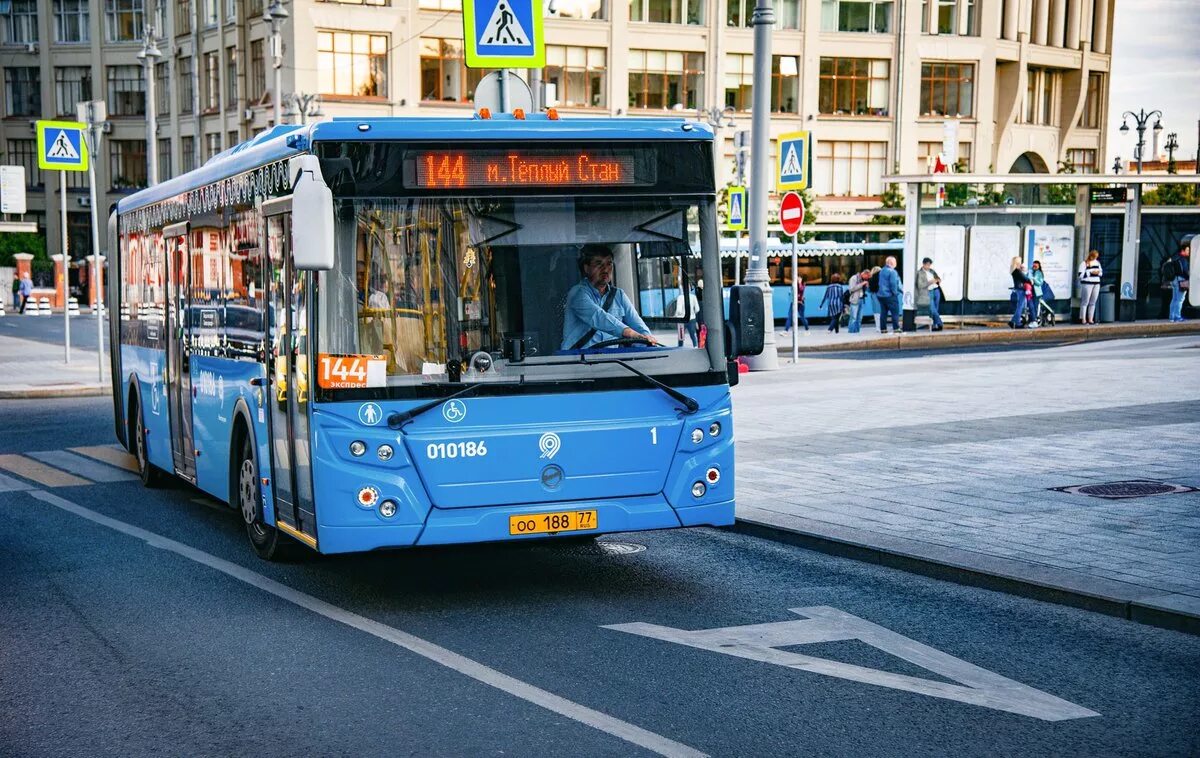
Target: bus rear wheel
[(269, 543), (151, 475)]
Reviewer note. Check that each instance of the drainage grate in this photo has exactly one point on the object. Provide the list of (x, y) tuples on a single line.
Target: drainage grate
[(1122, 490)]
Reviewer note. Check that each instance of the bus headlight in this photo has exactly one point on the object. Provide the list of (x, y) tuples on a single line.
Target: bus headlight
[(698, 489), (357, 448), (714, 429), (387, 508), (697, 436), (385, 452)]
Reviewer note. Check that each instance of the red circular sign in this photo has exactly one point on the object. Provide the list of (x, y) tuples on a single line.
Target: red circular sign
[(791, 213)]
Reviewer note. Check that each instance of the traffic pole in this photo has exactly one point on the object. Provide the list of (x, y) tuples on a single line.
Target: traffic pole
[(62, 192), (795, 305), (763, 19), (98, 308)]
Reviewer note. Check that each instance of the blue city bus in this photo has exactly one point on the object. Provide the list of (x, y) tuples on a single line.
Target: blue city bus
[(352, 332)]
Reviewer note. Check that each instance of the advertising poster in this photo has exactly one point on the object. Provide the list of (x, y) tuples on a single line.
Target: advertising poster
[(947, 246), (992, 250), (1054, 246)]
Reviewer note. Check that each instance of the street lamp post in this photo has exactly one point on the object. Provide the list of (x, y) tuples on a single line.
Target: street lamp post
[(149, 56), (763, 21), (275, 15), (1171, 146), (304, 105), (1117, 165), (1141, 118)]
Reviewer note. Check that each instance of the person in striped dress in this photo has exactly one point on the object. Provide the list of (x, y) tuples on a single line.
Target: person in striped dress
[(834, 302)]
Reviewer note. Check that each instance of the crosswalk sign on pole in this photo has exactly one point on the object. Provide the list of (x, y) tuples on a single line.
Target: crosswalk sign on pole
[(61, 146), (503, 34), (736, 216), (794, 161)]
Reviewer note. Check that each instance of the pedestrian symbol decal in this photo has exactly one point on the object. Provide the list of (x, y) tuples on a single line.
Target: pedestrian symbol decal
[(795, 161), (369, 414), (503, 33), (61, 146), (503, 28)]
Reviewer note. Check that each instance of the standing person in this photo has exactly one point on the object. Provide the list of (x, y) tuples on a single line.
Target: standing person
[(834, 302), (929, 292), (799, 307), (890, 291), (1090, 274), (26, 291), (1038, 278), (1018, 300), (681, 311), (873, 291), (1181, 275), (16, 288), (858, 295), (701, 329)]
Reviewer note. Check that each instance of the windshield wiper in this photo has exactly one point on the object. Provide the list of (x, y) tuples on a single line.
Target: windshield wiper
[(689, 404), (398, 420)]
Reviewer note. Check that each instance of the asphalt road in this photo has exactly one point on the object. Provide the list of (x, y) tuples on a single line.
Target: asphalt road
[(49, 329), (135, 621)]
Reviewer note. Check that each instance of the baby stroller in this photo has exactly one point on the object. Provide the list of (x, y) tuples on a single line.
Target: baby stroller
[(1045, 309)]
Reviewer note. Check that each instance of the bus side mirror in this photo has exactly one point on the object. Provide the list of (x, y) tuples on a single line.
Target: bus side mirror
[(312, 215), (744, 329)]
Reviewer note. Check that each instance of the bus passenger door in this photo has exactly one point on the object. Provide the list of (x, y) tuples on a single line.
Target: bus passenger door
[(287, 371), (179, 377)]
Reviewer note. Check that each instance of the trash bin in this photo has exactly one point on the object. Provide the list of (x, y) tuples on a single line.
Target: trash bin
[(1108, 304)]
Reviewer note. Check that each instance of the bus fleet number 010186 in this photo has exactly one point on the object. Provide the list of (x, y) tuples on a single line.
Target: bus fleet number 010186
[(469, 449)]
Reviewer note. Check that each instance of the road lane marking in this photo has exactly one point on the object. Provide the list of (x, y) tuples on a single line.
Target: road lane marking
[(39, 472), (92, 469), (635, 735), (8, 484), (759, 642), (114, 455)]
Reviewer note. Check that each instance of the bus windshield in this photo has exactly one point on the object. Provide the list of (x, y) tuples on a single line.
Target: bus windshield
[(445, 289)]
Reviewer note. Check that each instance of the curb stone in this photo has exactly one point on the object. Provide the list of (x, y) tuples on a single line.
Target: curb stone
[(32, 391)]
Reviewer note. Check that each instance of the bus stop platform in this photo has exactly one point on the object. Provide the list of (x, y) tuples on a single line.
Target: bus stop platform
[(975, 333)]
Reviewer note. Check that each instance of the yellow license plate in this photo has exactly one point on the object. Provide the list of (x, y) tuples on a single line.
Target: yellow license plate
[(552, 523)]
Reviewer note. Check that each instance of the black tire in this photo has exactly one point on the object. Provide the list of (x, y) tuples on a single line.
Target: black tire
[(269, 543), (152, 476)]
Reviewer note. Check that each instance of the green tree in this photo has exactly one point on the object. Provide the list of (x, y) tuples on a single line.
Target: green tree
[(12, 243), (1172, 194), (1061, 194)]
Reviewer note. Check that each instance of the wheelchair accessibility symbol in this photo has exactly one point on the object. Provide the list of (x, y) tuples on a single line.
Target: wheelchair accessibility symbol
[(454, 411)]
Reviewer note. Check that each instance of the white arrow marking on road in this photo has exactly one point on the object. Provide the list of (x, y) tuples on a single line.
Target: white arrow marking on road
[(759, 642)]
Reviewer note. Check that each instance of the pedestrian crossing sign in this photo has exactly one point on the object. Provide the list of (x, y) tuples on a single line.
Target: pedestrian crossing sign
[(503, 34), (794, 162), (61, 146), (736, 216)]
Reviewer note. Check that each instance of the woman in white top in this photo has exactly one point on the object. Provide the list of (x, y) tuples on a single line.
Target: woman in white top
[(1089, 282)]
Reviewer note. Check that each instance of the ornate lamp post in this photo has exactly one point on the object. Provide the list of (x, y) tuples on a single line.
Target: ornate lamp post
[(275, 15), (149, 55), (1141, 118)]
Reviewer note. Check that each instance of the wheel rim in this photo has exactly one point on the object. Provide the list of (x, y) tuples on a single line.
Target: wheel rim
[(140, 444), (246, 493)]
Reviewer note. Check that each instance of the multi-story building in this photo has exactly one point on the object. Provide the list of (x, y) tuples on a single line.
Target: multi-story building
[(1019, 85)]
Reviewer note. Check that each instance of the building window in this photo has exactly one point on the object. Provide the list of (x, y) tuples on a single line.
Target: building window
[(211, 13), (23, 152), (441, 5), (739, 82), (127, 163), (379, 3), (126, 91), (741, 12), (862, 16), (71, 21), (164, 159), (350, 63), (256, 9), (183, 17), (854, 86), (256, 82), (162, 89), (668, 11), (928, 151), (233, 139), (947, 89), (444, 75), (578, 76), (20, 22), (72, 85), (850, 169), (1083, 160), (1041, 97), (666, 79), (231, 10), (187, 154), (595, 10), (212, 146), (124, 20), (212, 82), (231, 78), (187, 83), (23, 91), (1093, 107)]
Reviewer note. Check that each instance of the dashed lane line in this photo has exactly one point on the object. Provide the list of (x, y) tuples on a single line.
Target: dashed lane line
[(36, 471), (114, 455), (473, 669)]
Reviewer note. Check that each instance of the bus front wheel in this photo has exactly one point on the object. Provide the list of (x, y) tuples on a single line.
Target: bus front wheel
[(269, 543)]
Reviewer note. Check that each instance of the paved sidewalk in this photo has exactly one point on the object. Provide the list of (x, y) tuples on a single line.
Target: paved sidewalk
[(31, 368), (950, 460)]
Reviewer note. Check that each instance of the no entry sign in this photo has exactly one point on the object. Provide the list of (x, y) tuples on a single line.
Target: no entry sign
[(791, 213)]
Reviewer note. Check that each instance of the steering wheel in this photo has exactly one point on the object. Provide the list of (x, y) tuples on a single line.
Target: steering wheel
[(622, 341)]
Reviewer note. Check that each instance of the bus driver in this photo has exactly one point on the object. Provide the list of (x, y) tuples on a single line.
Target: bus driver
[(598, 310)]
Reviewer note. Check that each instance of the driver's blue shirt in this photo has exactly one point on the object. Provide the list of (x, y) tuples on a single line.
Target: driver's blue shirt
[(585, 311)]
